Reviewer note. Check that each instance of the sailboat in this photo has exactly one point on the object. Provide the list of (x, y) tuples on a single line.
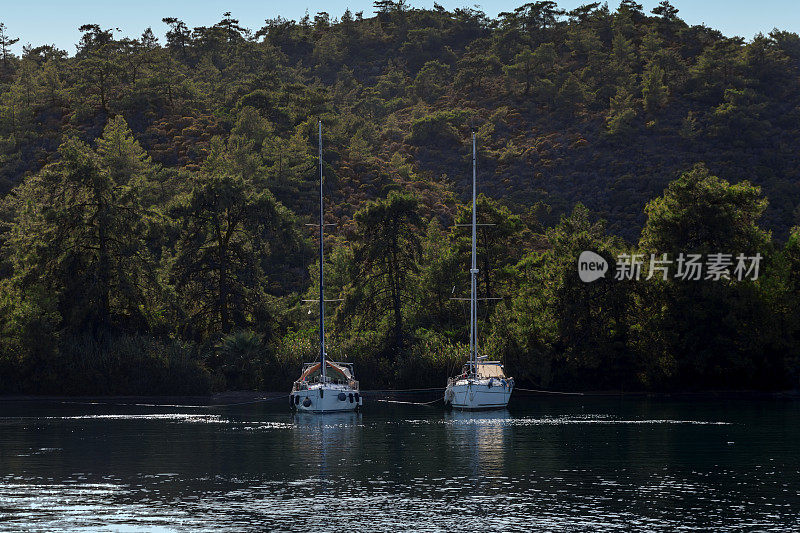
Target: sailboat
[(324, 386), (482, 384)]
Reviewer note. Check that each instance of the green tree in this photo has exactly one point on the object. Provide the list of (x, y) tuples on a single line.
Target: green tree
[(666, 11), (499, 242), (571, 94), (475, 68), (83, 215), (534, 16), (385, 261), (739, 119), (787, 310), (689, 128), (99, 66), (229, 230), (6, 42), (531, 65), (178, 36), (523, 68), (700, 212), (632, 9), (431, 79), (441, 270), (621, 113), (623, 61), (705, 331), (239, 357), (718, 68), (654, 92), (556, 330), (584, 12)]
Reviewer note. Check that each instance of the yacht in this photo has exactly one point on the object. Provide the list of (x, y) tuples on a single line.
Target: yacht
[(324, 386), (482, 384)]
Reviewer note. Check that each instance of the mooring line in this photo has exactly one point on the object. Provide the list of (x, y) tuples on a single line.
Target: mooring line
[(139, 404), (549, 392), (377, 391), (411, 403), (245, 403), (403, 390)]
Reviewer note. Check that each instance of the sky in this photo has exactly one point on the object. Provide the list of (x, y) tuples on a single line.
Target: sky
[(56, 22)]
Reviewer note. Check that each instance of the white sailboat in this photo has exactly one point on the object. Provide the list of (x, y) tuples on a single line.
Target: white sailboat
[(324, 386), (482, 384)]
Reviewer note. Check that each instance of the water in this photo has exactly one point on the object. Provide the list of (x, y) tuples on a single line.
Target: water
[(547, 463)]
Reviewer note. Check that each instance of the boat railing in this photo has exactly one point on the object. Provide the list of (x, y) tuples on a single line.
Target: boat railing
[(303, 385), (467, 372)]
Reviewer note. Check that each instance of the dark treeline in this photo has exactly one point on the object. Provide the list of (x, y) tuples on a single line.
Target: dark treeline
[(154, 196)]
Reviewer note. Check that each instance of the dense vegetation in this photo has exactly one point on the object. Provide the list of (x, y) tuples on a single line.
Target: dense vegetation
[(154, 197)]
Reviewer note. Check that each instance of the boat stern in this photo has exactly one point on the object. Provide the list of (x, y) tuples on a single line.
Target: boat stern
[(325, 400)]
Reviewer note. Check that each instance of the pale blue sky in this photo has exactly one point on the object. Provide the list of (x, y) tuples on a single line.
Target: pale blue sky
[(56, 22)]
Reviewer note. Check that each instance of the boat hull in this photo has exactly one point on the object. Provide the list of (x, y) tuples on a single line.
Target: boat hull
[(326, 399), (474, 395)]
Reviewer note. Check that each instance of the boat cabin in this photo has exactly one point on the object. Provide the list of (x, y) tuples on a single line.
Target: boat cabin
[(486, 369)]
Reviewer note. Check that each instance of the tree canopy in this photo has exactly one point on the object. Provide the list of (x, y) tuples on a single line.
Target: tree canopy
[(154, 198)]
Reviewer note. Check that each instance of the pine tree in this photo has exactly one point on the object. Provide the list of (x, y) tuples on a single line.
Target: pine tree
[(571, 94), (82, 214), (621, 112), (654, 92), (666, 11), (689, 128), (6, 43), (231, 233), (385, 257)]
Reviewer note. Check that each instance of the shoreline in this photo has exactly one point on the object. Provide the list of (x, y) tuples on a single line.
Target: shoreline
[(245, 396)]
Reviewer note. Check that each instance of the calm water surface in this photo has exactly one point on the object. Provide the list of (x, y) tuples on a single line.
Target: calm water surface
[(547, 463)]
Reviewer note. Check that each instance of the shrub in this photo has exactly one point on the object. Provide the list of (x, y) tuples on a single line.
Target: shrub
[(431, 360), (436, 129)]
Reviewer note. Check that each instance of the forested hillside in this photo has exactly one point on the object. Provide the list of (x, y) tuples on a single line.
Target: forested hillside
[(154, 196)]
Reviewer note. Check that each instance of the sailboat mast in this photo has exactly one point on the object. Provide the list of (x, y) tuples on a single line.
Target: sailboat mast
[(473, 341), (321, 267)]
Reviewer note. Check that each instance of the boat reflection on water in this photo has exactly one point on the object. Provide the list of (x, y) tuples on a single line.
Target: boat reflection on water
[(327, 443), (480, 437), (306, 422)]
